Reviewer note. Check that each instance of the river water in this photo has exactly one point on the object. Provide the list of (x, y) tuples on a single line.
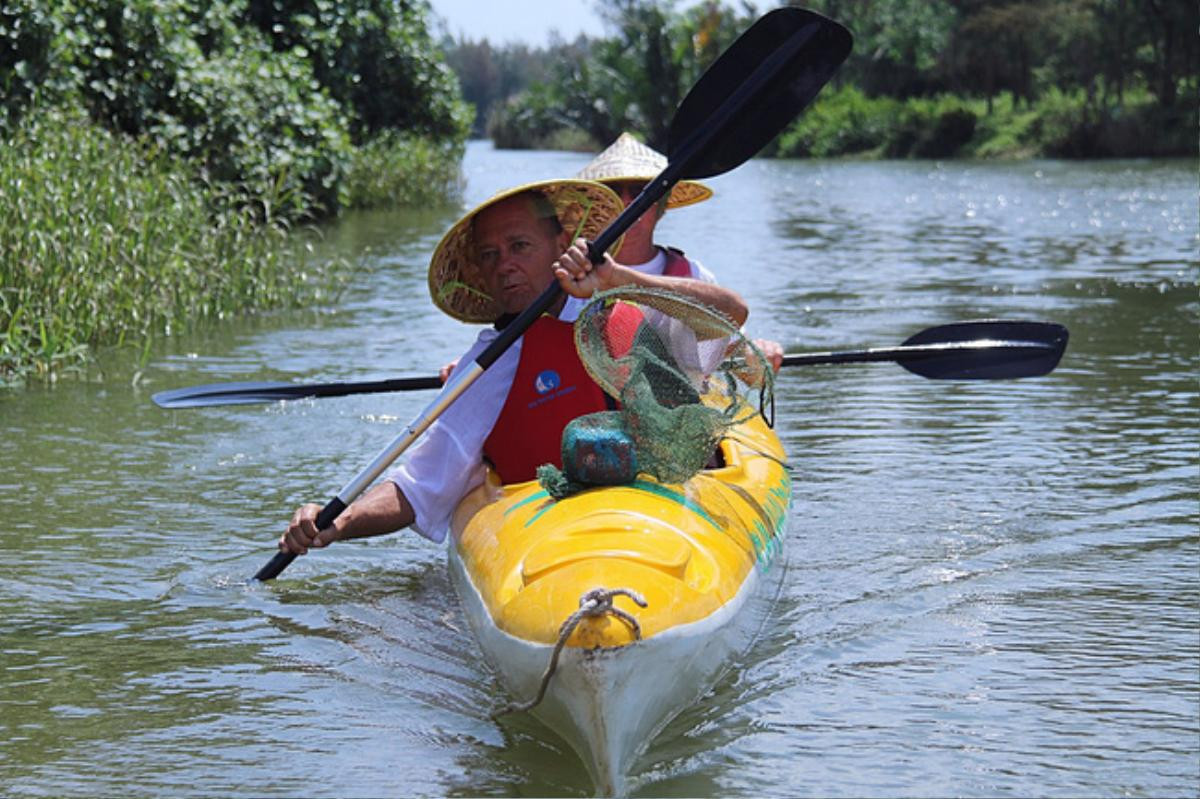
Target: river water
[(991, 589)]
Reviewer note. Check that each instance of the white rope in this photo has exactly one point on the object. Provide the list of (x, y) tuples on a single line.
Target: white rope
[(595, 603)]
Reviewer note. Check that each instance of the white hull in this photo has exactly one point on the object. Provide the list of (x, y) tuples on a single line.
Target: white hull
[(610, 703)]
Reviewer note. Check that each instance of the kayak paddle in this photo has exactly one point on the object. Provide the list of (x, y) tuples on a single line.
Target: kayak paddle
[(984, 350)]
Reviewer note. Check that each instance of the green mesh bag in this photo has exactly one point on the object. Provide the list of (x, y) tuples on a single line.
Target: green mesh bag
[(680, 372)]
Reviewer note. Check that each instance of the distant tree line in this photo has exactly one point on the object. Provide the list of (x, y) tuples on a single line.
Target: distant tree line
[(490, 75), (927, 77)]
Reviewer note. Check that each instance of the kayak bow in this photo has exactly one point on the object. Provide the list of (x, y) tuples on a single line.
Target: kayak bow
[(524, 563)]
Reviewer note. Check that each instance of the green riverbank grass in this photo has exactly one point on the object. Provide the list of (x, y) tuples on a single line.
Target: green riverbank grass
[(394, 170), (104, 242)]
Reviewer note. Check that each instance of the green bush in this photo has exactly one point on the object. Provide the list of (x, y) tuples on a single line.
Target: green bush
[(847, 122), (839, 123), (1068, 126), (1059, 124), (526, 121), (930, 128), (26, 32), (1007, 132), (1148, 130), (154, 155), (211, 92), (105, 243), (375, 58), (259, 120)]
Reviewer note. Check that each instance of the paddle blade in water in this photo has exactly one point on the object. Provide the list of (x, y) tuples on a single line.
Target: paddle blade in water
[(760, 84), (985, 350)]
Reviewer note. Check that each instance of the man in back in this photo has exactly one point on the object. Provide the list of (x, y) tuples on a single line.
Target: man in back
[(626, 166)]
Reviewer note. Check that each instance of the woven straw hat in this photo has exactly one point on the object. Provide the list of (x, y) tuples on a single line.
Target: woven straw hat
[(629, 159), (584, 209)]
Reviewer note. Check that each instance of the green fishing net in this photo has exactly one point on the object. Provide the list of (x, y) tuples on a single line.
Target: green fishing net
[(682, 375)]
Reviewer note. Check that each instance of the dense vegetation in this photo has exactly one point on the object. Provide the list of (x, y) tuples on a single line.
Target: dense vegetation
[(154, 155), (927, 78)]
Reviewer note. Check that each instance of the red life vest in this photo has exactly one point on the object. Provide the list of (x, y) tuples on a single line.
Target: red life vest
[(623, 322), (551, 387), (624, 319), (677, 263), (620, 329)]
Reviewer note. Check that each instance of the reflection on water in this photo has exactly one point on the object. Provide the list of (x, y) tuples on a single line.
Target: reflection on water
[(990, 588)]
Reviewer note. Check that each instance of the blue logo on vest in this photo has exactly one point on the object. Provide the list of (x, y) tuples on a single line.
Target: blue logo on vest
[(547, 381)]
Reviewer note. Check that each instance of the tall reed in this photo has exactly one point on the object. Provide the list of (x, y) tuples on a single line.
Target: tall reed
[(396, 169), (104, 241)]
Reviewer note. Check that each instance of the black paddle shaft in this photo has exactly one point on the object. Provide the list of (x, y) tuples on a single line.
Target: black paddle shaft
[(333, 508)]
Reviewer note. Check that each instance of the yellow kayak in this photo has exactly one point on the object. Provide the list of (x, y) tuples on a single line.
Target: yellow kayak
[(524, 564)]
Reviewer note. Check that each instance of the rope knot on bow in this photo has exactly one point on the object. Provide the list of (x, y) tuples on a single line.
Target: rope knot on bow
[(599, 602), (593, 604)]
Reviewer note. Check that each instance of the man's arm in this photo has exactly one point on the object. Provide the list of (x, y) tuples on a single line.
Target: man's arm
[(580, 278), (383, 509)]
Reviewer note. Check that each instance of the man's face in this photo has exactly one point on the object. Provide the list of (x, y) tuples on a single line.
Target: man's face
[(628, 191), (515, 250)]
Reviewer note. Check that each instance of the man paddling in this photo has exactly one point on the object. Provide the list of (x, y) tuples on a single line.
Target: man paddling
[(491, 265), (626, 166)]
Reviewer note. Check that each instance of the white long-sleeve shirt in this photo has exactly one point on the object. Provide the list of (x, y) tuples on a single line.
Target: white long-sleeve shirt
[(447, 463)]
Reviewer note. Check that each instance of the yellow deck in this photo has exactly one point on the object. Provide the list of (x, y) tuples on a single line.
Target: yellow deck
[(687, 549)]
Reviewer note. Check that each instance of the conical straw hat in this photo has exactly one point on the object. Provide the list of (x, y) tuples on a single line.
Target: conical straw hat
[(456, 283), (629, 159)]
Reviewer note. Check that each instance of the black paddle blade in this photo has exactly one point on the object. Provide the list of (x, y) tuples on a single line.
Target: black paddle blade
[(755, 88), (990, 349), (246, 393), (761, 82)]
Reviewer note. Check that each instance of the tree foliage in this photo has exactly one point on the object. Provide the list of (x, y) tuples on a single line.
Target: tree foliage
[(265, 96), (1102, 51), (632, 80), (375, 57), (489, 75)]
